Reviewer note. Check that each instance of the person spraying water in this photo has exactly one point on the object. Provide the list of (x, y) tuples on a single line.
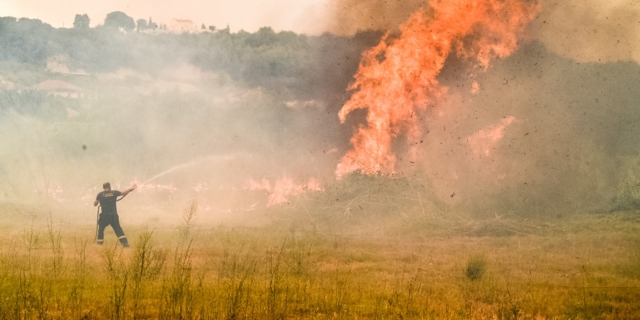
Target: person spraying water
[(109, 216)]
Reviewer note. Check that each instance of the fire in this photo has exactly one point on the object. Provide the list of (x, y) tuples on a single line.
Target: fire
[(156, 187), (483, 141), (396, 79), (283, 188), (475, 87)]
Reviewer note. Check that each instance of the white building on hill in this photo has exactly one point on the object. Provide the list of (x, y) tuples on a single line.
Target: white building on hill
[(60, 88), (182, 26)]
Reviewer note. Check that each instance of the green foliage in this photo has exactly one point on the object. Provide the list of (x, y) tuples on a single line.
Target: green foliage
[(25, 40), (152, 25), (141, 25), (476, 267), (255, 58), (29, 102), (118, 19), (81, 21)]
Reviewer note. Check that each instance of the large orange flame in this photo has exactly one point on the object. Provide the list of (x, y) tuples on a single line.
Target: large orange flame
[(397, 78)]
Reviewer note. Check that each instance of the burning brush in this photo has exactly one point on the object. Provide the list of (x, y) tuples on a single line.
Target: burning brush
[(398, 78)]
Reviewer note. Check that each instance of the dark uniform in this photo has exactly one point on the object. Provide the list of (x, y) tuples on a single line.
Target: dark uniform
[(109, 216)]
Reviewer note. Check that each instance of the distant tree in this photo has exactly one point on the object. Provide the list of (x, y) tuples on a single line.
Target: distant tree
[(142, 25), (227, 30), (212, 28), (203, 27), (264, 36), (25, 40), (118, 19), (152, 25), (6, 21), (81, 21)]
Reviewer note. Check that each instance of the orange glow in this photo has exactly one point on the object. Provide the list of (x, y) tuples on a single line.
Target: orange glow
[(262, 185), (483, 141), (397, 78), (475, 87), (283, 188), (156, 187)]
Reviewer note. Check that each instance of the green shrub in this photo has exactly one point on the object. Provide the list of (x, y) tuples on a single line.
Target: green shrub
[(476, 267)]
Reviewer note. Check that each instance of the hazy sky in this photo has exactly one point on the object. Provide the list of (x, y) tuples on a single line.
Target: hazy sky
[(250, 15)]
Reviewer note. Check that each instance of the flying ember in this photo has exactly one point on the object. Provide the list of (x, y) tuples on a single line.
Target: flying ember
[(398, 78)]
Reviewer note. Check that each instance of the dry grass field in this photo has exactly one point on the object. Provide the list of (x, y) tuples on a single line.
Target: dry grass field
[(583, 266)]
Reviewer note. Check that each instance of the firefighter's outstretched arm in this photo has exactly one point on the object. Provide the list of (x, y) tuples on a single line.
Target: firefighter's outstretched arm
[(126, 192)]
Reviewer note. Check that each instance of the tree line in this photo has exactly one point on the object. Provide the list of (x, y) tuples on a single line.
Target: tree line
[(261, 57)]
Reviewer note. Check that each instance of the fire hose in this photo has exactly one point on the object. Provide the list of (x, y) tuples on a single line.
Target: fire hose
[(98, 219)]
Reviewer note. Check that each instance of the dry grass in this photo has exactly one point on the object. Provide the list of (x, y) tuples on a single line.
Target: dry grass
[(583, 267)]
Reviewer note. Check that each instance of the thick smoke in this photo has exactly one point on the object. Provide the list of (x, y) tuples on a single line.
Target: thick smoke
[(537, 133), (559, 136), (202, 114), (544, 133), (592, 30), (346, 17), (586, 31)]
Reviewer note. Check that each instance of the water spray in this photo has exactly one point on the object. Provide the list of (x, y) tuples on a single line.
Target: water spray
[(189, 164)]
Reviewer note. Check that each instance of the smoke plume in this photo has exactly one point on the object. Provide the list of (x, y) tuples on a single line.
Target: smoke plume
[(586, 31), (346, 17), (396, 81), (536, 133), (230, 117), (591, 30)]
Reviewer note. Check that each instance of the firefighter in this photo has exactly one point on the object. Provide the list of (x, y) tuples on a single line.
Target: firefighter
[(109, 216)]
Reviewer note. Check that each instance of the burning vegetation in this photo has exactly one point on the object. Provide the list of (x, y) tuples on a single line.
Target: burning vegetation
[(448, 165), (428, 101), (397, 81)]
